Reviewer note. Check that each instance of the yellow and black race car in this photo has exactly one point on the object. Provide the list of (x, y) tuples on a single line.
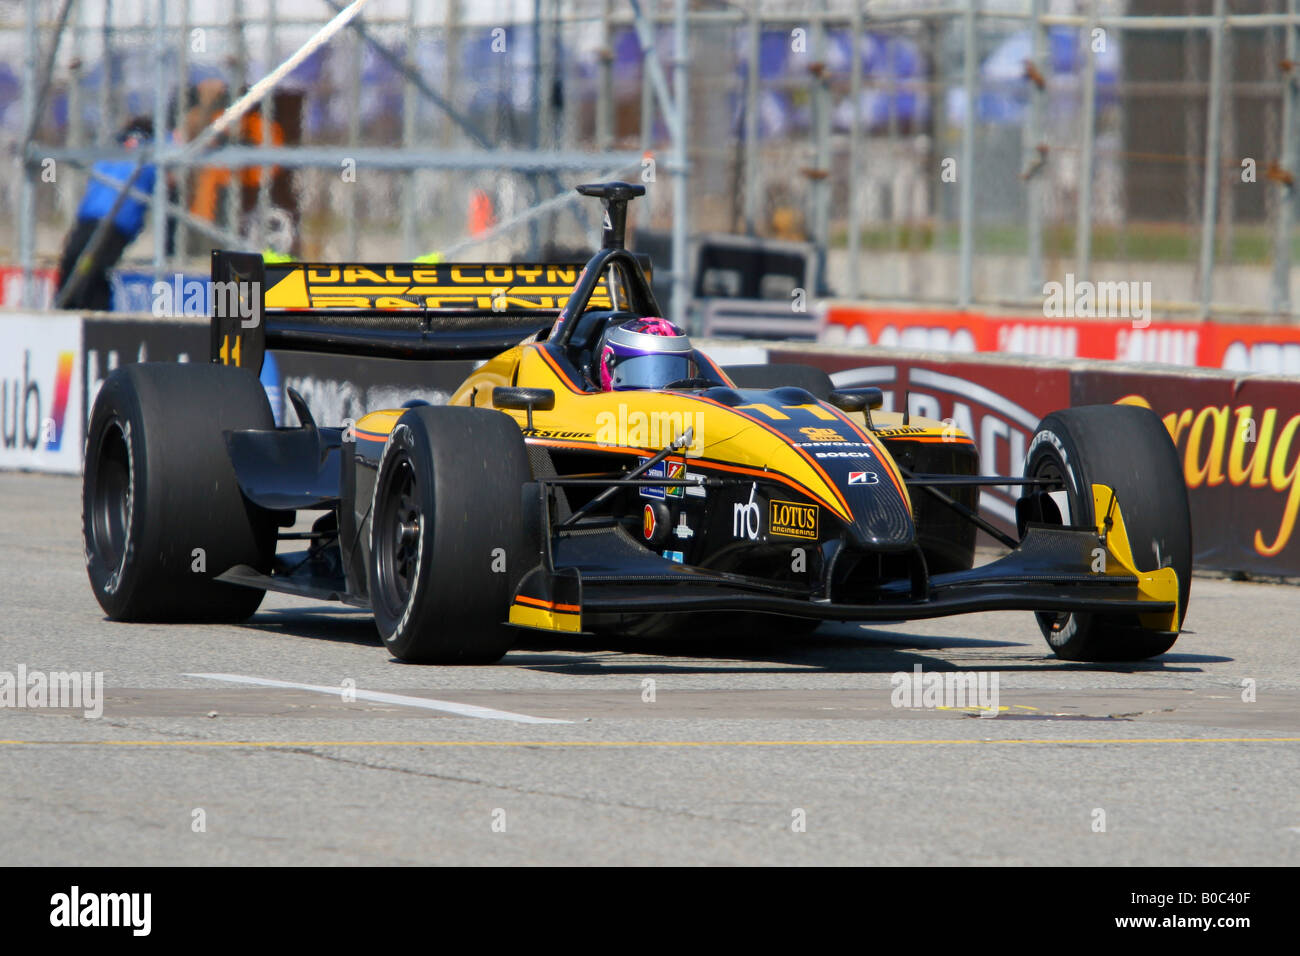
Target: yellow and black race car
[(557, 491)]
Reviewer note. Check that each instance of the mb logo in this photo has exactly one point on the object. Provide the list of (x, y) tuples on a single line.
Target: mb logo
[(745, 517)]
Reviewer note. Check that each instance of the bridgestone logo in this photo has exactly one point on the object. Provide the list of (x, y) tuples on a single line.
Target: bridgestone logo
[(792, 519)]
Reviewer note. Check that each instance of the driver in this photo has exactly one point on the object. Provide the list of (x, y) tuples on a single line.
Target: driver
[(644, 353)]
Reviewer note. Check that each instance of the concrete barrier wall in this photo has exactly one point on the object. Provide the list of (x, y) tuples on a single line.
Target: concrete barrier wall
[(1238, 436)]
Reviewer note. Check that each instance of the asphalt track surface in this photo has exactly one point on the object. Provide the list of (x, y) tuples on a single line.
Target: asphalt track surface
[(770, 751)]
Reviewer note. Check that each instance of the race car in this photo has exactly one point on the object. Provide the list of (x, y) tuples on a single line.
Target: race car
[(597, 473)]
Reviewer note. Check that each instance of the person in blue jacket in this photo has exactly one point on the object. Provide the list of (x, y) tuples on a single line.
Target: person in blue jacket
[(94, 292)]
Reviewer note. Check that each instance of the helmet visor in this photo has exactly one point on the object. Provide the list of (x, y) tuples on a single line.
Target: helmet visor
[(654, 371)]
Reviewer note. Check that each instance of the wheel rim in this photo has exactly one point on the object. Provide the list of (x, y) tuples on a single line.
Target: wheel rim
[(398, 539), (1047, 467), (110, 507)]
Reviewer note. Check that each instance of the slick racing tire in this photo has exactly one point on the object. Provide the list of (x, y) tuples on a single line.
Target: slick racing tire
[(781, 375), (162, 514), (447, 541), (1127, 448)]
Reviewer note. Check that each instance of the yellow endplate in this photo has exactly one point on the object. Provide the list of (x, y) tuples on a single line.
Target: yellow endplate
[(377, 425), (1161, 585), (545, 620), (890, 425)]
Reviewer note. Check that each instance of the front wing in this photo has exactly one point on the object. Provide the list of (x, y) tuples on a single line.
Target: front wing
[(601, 571)]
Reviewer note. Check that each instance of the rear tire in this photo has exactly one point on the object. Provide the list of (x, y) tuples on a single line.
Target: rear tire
[(1127, 448), (162, 513), (447, 541)]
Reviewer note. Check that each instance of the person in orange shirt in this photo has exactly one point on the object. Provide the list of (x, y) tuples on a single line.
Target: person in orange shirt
[(213, 180)]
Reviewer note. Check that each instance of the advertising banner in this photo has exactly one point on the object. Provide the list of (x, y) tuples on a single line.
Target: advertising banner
[(11, 287), (110, 342), (173, 295), (1238, 444), (1258, 349), (40, 392)]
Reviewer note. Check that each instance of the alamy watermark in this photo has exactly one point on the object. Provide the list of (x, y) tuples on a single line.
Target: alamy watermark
[(39, 690), (230, 299), (75, 909), (956, 690), (1084, 299), (638, 429)]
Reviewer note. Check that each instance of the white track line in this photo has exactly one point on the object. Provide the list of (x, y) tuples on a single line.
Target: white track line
[(379, 697)]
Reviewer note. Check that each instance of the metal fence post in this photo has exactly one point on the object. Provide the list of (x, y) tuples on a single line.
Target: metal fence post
[(751, 119), (106, 124), (605, 84), (1034, 160), (180, 238), (1210, 202), (266, 174), (855, 151), (681, 199), (27, 187), (1285, 192), (965, 279), (1087, 157), (821, 184), (158, 210)]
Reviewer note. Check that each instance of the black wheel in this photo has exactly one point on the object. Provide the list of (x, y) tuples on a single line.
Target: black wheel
[(1127, 448), (780, 375), (447, 541), (162, 514)]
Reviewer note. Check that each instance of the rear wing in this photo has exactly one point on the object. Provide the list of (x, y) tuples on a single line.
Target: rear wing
[(386, 310)]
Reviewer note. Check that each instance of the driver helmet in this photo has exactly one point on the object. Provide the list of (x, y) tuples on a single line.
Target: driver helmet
[(644, 353)]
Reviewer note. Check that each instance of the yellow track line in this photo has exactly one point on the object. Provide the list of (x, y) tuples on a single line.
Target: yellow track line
[(638, 743)]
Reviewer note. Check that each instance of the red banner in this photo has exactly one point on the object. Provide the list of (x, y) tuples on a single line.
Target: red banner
[(1259, 349), (11, 287)]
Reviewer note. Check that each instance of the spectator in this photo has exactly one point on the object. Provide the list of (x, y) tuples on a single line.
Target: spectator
[(107, 179)]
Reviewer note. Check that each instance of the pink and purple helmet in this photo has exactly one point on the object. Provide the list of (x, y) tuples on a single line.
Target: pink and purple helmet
[(644, 353)]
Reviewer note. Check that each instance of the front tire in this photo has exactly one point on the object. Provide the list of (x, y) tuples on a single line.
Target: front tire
[(447, 543), (162, 513), (1127, 448)]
